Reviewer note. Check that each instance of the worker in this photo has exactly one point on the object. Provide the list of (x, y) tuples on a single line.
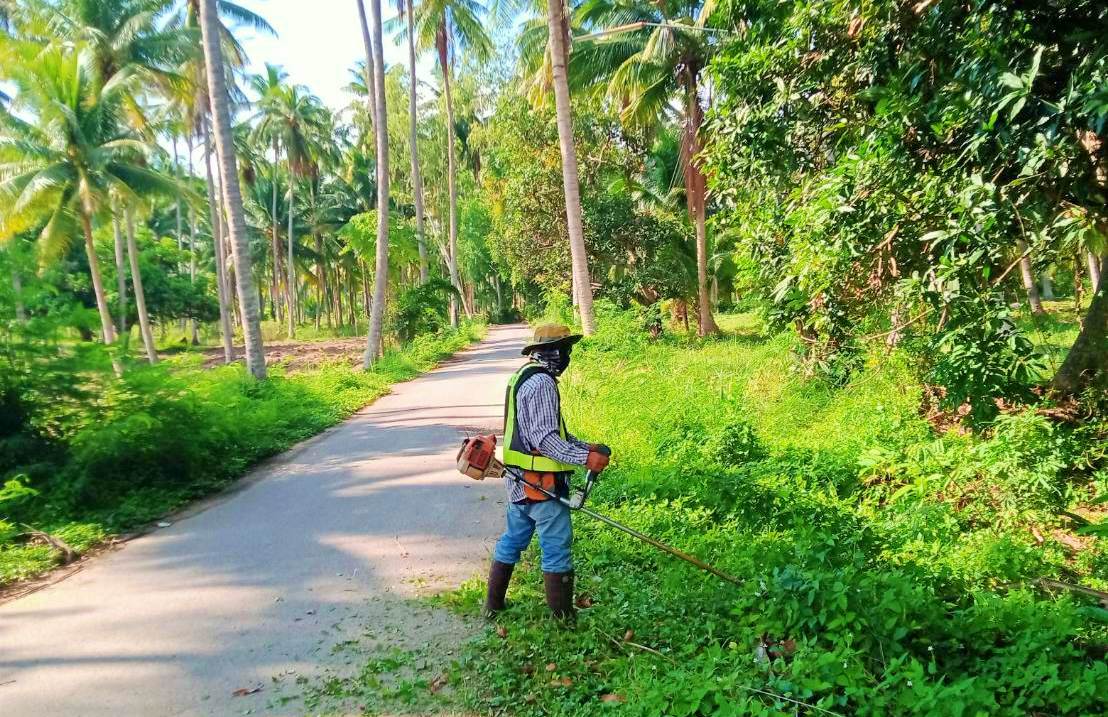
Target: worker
[(538, 450)]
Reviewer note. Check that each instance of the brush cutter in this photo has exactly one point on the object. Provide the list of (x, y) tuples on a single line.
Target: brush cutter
[(477, 459)]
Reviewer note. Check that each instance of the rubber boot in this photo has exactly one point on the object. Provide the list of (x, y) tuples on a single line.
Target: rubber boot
[(559, 595), (500, 574)]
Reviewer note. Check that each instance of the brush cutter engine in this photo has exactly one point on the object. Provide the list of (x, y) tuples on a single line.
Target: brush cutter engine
[(477, 458)]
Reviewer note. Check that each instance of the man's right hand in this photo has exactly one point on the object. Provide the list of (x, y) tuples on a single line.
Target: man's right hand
[(599, 456)]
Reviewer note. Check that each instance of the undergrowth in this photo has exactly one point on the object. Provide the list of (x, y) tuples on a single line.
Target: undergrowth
[(884, 569), (126, 451)]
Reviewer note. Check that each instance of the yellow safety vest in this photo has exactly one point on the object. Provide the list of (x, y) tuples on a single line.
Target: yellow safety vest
[(515, 452)]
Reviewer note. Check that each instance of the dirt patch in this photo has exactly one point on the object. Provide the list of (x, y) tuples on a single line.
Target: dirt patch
[(298, 355)]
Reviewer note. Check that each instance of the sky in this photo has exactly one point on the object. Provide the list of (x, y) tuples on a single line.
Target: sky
[(317, 42)]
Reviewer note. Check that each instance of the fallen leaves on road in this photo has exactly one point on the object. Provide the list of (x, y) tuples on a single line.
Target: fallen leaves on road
[(244, 691)]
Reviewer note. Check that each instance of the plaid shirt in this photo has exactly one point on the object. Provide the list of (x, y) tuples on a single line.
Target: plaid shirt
[(537, 416)]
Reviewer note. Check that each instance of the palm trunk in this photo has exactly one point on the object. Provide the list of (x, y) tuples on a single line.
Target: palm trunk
[(220, 257), (413, 140), (321, 269), (140, 295), (381, 275), (240, 246), (193, 331), (452, 185), (17, 293), (1048, 287), (695, 189), (274, 241), (556, 24), (1093, 263), (1028, 277), (290, 281), (106, 324), (120, 273), (370, 82), (176, 173), (336, 291)]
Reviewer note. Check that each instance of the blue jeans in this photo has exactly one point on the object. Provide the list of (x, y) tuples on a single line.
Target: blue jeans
[(555, 535)]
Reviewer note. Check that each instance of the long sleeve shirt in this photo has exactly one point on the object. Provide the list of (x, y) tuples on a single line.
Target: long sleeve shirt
[(537, 411)]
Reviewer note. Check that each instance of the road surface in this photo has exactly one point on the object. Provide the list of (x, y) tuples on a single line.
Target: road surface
[(323, 545)]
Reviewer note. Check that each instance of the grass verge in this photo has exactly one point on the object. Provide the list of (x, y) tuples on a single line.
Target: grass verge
[(162, 436), (886, 569)]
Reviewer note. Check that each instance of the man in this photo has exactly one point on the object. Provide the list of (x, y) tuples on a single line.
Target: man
[(538, 450)]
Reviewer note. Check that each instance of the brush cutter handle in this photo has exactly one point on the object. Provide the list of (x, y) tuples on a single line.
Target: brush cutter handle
[(579, 497)]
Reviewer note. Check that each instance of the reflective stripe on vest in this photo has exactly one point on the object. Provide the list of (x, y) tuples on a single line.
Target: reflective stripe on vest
[(515, 452)]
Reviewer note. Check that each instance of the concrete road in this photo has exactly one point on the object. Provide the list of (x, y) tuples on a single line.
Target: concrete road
[(319, 547)]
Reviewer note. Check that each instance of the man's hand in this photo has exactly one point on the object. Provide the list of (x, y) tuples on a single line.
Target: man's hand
[(599, 455)]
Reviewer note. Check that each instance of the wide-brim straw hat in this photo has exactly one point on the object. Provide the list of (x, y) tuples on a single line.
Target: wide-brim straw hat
[(551, 336)]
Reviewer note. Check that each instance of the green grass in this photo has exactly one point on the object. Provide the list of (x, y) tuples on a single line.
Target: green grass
[(163, 436), (901, 564)]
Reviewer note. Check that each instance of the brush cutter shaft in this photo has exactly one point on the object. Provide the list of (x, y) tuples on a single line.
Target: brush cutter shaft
[(662, 546), (578, 503)]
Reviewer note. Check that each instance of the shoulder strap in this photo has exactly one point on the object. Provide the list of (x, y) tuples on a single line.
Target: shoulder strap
[(521, 375)]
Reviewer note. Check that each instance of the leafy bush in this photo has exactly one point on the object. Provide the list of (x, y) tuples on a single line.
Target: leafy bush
[(420, 309)]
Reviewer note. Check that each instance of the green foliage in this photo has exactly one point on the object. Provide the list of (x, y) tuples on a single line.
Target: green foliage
[(884, 570), (883, 168), (637, 252), (161, 436), (420, 309)]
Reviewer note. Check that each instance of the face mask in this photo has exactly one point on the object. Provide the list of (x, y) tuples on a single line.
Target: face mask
[(555, 360)]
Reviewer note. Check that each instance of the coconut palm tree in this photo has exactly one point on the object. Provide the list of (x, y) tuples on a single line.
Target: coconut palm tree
[(543, 42), (381, 273), (558, 29), (267, 86), (62, 171), (451, 26), (406, 10), (229, 180), (651, 55)]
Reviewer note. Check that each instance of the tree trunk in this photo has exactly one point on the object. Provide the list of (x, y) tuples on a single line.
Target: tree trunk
[(413, 140), (1048, 286), (557, 30), (290, 280), (140, 295), (1028, 277), (1093, 263), (193, 333), (695, 190), (381, 275), (1087, 362), (106, 324), (370, 80), (1086, 365), (176, 175), (120, 273), (336, 290), (17, 294), (217, 242), (452, 187), (240, 244), (275, 243)]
